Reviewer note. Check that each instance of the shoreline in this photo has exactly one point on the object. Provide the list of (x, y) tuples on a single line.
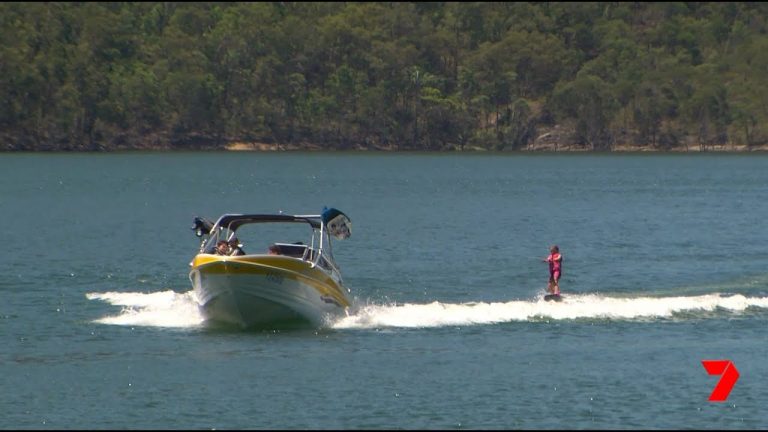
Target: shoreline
[(625, 148), (557, 139), (263, 147), (287, 148)]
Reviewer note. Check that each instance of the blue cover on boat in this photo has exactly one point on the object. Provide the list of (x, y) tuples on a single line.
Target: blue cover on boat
[(337, 223)]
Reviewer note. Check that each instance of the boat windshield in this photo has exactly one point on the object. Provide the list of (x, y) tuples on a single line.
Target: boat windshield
[(299, 237), (256, 238)]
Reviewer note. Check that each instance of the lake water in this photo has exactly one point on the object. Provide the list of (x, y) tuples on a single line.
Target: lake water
[(664, 266)]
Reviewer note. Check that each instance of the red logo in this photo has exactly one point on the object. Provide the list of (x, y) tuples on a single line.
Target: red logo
[(727, 369)]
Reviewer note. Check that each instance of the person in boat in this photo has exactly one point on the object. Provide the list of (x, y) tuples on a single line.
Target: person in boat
[(555, 260), (274, 249), (235, 247), (222, 248)]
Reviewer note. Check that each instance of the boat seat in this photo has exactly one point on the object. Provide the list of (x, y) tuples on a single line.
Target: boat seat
[(291, 250)]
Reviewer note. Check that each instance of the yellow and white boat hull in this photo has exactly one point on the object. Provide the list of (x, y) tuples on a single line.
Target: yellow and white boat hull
[(255, 290)]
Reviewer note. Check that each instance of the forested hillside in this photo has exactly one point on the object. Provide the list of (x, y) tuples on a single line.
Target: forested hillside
[(400, 76)]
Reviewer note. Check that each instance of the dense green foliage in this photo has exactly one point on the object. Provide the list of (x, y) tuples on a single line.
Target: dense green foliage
[(425, 76)]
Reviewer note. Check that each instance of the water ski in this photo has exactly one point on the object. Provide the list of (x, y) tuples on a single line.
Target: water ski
[(553, 297)]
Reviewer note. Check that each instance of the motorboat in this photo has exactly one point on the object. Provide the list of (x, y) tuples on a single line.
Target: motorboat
[(239, 279)]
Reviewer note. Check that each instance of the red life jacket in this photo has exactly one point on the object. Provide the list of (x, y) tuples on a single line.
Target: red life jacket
[(555, 262)]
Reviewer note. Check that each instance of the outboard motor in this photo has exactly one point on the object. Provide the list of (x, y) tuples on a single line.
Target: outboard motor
[(202, 226)]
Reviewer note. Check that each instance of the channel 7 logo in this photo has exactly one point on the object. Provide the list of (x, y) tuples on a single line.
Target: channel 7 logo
[(729, 373)]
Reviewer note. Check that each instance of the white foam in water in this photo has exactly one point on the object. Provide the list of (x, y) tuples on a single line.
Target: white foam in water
[(159, 309), (438, 314), (172, 309)]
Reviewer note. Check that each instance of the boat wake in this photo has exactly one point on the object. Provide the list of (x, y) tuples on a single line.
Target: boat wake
[(172, 309), (158, 309), (588, 306)]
